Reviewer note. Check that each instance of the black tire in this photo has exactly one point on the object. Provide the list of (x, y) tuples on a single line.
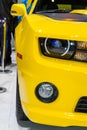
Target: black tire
[(21, 117)]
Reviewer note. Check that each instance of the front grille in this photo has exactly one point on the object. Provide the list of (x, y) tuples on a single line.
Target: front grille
[(82, 105)]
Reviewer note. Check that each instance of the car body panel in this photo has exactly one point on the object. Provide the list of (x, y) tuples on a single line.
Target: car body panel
[(70, 77)]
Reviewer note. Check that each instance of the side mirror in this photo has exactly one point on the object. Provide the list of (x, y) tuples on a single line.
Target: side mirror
[(18, 10)]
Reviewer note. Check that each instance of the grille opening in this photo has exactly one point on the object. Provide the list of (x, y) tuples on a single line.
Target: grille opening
[(82, 105)]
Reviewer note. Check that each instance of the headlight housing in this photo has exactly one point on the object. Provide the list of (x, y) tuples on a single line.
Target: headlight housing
[(64, 49), (81, 51)]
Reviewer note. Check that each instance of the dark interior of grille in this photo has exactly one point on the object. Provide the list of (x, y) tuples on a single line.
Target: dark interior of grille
[(82, 105), (43, 5)]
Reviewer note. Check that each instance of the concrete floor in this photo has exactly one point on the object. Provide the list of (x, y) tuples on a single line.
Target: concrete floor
[(7, 103)]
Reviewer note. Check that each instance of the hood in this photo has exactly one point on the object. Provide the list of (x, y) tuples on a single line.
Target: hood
[(66, 16), (57, 25)]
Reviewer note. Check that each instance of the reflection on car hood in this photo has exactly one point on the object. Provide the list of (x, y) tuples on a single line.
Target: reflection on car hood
[(67, 16)]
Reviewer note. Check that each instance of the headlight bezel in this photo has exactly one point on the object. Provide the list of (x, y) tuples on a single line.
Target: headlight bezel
[(79, 46), (60, 55)]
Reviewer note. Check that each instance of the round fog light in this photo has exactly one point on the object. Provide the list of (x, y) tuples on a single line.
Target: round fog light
[(46, 92)]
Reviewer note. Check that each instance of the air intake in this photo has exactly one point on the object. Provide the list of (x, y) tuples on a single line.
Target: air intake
[(82, 105)]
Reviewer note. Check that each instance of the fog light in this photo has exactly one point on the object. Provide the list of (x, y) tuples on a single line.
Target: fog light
[(46, 92)]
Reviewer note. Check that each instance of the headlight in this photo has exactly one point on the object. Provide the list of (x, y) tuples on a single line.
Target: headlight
[(81, 51), (64, 49), (46, 92), (58, 48)]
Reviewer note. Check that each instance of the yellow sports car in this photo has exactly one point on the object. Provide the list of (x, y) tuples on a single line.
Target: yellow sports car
[(51, 51)]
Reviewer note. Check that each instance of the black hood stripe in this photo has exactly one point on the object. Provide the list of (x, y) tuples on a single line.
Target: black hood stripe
[(67, 16)]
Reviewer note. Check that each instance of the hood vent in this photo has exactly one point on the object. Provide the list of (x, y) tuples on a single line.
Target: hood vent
[(82, 105)]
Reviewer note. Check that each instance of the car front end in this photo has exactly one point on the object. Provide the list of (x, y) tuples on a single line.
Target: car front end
[(52, 68)]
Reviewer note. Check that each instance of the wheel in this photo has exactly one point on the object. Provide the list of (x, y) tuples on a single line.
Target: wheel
[(21, 117)]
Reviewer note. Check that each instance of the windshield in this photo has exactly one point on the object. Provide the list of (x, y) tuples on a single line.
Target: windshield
[(63, 5)]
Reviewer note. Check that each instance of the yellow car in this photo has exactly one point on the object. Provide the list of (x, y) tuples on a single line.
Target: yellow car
[(51, 51)]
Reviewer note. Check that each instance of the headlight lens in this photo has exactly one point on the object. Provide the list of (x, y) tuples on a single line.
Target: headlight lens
[(82, 56), (58, 48), (82, 45), (64, 49), (81, 51)]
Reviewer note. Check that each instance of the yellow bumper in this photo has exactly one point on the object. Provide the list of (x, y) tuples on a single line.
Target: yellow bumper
[(69, 77), (55, 118)]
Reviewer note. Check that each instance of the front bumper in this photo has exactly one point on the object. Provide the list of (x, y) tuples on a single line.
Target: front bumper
[(54, 118), (69, 77)]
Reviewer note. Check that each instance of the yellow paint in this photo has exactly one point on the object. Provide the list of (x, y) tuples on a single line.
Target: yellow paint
[(18, 10), (80, 11), (70, 77), (64, 6)]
